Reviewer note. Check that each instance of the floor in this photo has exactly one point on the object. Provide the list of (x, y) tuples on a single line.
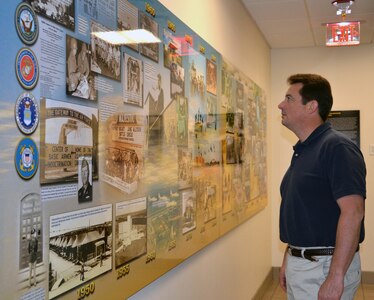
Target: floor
[(365, 292)]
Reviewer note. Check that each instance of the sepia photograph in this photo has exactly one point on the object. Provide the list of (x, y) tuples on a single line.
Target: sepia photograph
[(133, 80), (211, 77), (80, 81), (67, 131), (124, 151)]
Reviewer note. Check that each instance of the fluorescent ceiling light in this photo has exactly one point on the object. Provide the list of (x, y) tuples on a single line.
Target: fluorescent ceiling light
[(136, 36)]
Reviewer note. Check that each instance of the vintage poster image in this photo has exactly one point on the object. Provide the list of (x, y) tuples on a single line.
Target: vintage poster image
[(61, 12), (106, 58), (228, 84), (196, 104), (230, 149), (176, 80), (239, 95), (130, 230), (170, 124), (207, 152), (189, 210), (206, 196), (149, 50), (172, 49), (164, 214), (184, 167), (211, 77), (124, 151), (31, 242), (182, 126), (68, 131), (133, 80), (80, 247), (84, 179), (80, 81), (127, 18)]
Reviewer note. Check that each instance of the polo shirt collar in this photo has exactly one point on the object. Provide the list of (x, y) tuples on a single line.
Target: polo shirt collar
[(315, 134)]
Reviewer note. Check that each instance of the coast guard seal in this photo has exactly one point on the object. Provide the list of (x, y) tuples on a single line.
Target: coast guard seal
[(27, 113), (26, 158), (26, 24), (27, 68)]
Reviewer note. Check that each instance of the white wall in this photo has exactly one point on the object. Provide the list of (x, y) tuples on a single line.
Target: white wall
[(350, 71), (234, 266)]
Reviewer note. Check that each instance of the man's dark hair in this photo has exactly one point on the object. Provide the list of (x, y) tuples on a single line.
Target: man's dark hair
[(315, 87)]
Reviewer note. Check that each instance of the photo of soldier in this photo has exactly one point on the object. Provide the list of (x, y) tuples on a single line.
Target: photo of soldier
[(80, 81)]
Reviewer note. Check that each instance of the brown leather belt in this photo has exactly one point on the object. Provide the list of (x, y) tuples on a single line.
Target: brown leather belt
[(310, 253)]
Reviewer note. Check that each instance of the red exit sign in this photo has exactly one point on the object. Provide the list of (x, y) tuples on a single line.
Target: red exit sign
[(343, 34)]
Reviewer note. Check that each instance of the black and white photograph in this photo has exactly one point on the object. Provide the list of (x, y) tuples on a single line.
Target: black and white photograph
[(176, 80), (80, 247), (61, 12), (133, 80), (211, 77), (80, 81), (70, 129), (184, 167), (127, 19), (182, 123), (131, 230), (149, 50), (84, 179), (189, 210), (106, 58), (31, 241)]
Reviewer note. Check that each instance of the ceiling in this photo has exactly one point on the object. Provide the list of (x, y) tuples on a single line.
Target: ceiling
[(300, 23)]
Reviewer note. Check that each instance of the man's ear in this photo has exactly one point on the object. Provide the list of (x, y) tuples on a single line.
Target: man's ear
[(312, 106)]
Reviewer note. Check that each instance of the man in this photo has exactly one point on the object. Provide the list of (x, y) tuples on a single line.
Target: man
[(33, 256), (85, 192), (323, 192)]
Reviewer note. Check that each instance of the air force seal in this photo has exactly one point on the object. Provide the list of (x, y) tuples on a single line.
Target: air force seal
[(27, 113), (27, 68), (26, 24), (26, 158)]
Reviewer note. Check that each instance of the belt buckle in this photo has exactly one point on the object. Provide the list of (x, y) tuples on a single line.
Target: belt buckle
[(308, 257), (302, 253)]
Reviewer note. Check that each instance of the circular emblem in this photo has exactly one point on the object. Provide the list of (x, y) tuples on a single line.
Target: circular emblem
[(26, 158), (27, 68), (27, 113), (26, 24)]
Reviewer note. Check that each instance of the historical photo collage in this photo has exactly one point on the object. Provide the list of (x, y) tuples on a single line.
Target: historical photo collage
[(148, 151)]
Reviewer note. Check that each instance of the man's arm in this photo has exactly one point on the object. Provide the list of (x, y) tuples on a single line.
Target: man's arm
[(352, 210), (282, 273)]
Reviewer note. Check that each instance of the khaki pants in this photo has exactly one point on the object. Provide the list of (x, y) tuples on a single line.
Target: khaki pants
[(304, 277)]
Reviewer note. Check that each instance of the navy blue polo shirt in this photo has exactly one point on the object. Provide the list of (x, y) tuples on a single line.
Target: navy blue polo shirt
[(324, 168)]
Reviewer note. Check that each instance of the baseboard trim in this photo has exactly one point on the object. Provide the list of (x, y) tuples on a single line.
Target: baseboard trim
[(273, 275), (264, 286)]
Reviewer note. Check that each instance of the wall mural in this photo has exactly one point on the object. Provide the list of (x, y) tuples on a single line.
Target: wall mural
[(119, 161)]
